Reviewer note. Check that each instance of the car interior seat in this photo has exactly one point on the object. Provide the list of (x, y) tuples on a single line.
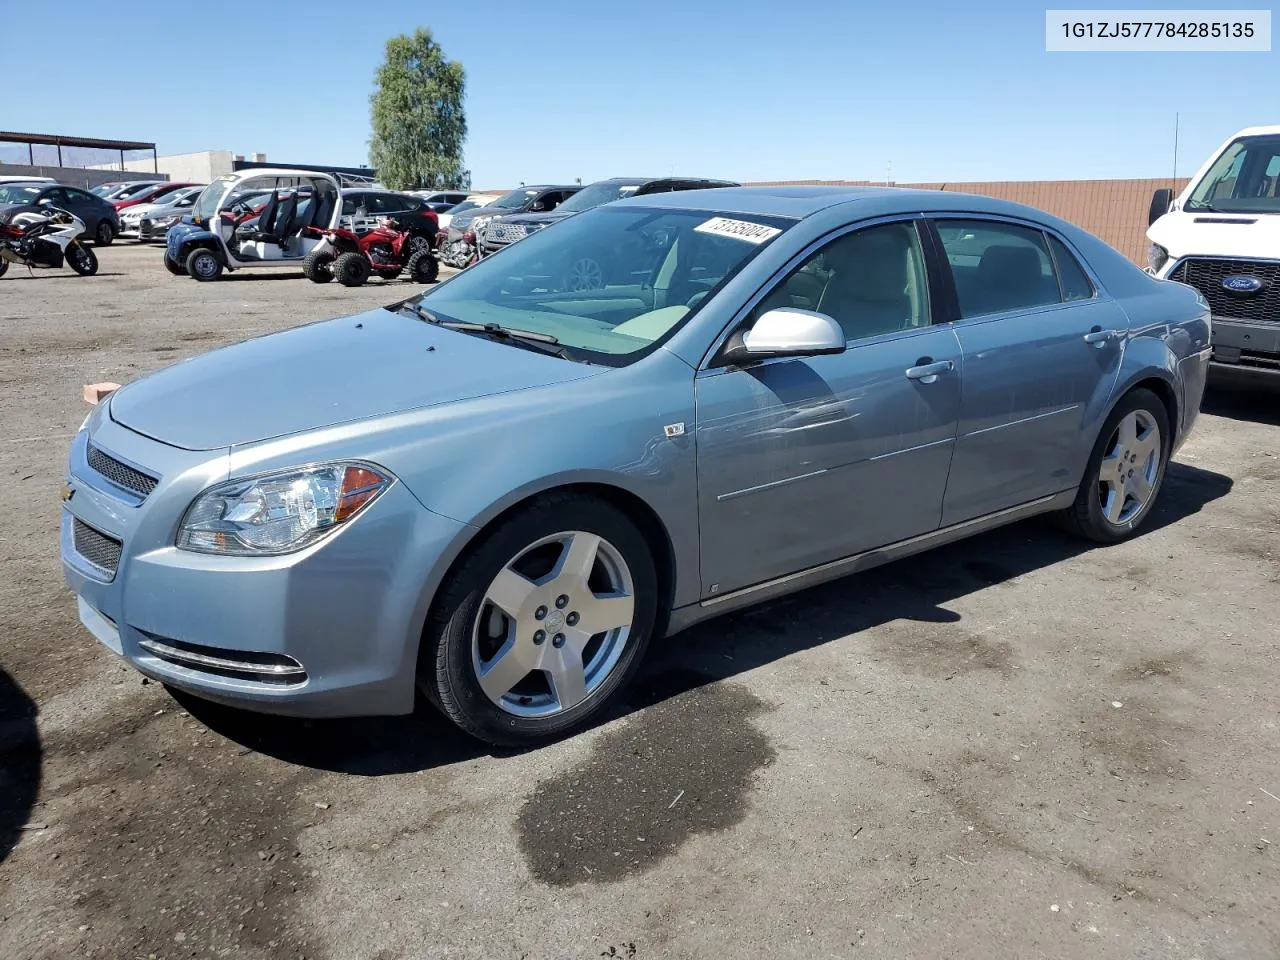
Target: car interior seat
[(1010, 277), (266, 219), (868, 290), (286, 213)]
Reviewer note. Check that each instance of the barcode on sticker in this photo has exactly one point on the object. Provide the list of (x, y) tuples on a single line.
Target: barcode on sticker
[(738, 229)]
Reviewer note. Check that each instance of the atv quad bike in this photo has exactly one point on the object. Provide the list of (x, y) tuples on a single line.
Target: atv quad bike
[(390, 249)]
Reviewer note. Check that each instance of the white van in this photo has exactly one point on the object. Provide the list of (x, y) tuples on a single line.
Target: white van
[(1221, 235)]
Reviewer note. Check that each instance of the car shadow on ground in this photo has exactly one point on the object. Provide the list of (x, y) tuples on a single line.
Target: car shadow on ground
[(1243, 395), (10, 275), (20, 760), (918, 588)]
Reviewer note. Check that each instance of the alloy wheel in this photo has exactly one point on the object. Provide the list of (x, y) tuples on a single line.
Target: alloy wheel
[(553, 624), (584, 273), (1130, 468)]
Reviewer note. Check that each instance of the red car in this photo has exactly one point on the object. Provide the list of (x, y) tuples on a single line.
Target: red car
[(150, 195)]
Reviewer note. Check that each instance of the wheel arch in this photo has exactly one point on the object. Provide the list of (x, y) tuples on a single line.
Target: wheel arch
[(627, 502), (1161, 384)]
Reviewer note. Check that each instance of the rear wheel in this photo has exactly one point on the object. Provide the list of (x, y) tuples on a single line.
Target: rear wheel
[(81, 259), (1125, 471), (318, 266), (104, 234), (203, 264), (351, 269), (177, 269), (542, 623), (423, 267)]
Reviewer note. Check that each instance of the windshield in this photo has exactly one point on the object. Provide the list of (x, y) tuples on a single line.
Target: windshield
[(610, 284), (206, 205), (466, 205), (105, 189), (596, 194), (134, 190), (1244, 179), (17, 194), (514, 200)]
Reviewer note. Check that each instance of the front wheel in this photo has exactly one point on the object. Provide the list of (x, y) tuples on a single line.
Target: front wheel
[(318, 266), (351, 269), (203, 264), (1125, 471), (81, 259), (174, 267), (545, 620), (104, 234), (423, 267)]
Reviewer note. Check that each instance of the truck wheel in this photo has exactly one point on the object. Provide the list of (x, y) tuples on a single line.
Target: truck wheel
[(203, 264), (1125, 471), (351, 269), (423, 267), (318, 267), (177, 269)]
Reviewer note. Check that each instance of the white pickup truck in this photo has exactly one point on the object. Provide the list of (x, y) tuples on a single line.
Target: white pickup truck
[(1221, 235)]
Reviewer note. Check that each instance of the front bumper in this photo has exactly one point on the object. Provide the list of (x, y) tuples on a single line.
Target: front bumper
[(329, 631), (1247, 343)]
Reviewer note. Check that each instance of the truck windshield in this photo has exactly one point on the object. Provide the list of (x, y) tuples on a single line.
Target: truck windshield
[(1244, 179)]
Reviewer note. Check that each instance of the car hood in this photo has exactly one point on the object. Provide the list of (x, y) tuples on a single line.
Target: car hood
[(1233, 235), (326, 373)]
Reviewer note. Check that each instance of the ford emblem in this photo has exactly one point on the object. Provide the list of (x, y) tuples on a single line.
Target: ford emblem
[(1241, 283)]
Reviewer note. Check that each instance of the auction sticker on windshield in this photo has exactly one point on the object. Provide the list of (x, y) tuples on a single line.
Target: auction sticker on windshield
[(738, 229)]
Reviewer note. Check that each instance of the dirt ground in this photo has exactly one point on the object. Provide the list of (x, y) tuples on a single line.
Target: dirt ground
[(1012, 747)]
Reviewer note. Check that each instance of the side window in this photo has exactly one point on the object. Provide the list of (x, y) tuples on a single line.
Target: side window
[(1076, 284), (998, 266), (870, 281), (349, 204), (376, 203), (58, 197)]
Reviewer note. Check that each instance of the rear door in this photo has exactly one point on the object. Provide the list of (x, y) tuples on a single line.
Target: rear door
[(802, 461), (1042, 345)]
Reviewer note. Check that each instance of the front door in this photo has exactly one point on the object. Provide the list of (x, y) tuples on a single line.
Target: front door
[(1042, 348), (806, 460)]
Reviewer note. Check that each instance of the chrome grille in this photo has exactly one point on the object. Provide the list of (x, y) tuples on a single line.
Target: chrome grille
[(96, 547), (121, 474), (504, 233), (1207, 275)]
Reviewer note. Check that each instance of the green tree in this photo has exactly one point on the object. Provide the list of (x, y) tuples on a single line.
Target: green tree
[(417, 115)]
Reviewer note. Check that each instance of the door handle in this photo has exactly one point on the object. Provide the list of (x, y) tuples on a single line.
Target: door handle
[(927, 369), (1097, 336)]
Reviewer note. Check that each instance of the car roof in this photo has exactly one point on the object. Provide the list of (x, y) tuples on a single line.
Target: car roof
[(797, 202), (544, 186)]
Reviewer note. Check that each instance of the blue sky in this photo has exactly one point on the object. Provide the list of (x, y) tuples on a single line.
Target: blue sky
[(748, 90)]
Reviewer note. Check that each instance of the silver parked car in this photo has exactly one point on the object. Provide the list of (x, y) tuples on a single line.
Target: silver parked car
[(500, 491)]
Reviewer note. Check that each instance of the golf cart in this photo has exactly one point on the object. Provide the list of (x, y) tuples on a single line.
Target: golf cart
[(253, 218)]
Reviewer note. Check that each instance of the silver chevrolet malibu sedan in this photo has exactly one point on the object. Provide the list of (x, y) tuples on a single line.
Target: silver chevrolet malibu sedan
[(498, 492)]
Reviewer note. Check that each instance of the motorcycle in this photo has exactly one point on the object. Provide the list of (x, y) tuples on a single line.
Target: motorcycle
[(47, 237), (462, 252)]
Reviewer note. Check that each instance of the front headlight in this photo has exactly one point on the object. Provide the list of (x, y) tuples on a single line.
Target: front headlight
[(281, 512), (1157, 256)]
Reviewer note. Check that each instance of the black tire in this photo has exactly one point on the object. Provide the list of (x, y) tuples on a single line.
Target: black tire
[(318, 266), (4, 267), (104, 235), (177, 269), (351, 269), (81, 259), (204, 265), (446, 673), (1085, 517), (388, 274), (423, 267)]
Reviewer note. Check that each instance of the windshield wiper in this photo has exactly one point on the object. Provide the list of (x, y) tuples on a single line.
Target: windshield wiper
[(526, 339)]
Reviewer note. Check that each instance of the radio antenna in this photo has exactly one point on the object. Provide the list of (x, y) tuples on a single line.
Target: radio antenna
[(1173, 187)]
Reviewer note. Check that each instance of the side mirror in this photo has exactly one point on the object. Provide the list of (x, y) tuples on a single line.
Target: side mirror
[(786, 332), (1161, 200), (538, 206), (44, 202)]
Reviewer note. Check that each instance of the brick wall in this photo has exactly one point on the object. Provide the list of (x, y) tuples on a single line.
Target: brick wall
[(1115, 210)]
